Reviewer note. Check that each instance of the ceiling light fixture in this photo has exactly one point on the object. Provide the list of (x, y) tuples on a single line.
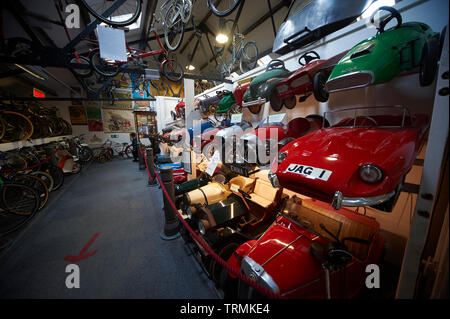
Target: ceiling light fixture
[(190, 67), (221, 38)]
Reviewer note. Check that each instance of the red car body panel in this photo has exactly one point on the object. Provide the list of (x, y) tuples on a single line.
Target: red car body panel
[(296, 127), (308, 70), (294, 270), (342, 150), (239, 93)]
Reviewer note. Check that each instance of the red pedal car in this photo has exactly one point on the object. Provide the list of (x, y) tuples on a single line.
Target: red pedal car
[(308, 79), (310, 251), (361, 160), (179, 111), (261, 139)]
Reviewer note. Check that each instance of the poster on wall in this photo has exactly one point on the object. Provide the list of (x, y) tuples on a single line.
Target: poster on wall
[(118, 121), (77, 115), (118, 94), (95, 125), (94, 116), (141, 88), (93, 112)]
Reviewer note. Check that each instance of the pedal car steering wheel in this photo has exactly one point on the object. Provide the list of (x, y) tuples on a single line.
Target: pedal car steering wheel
[(308, 57), (275, 64), (383, 22)]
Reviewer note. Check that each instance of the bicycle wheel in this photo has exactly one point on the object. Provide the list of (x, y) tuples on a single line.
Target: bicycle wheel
[(85, 154), (223, 8), (76, 167), (249, 57), (172, 70), (173, 27), (186, 11), (18, 127), (37, 184), (19, 198), (46, 178), (58, 176), (125, 15), (81, 72), (101, 66), (129, 151)]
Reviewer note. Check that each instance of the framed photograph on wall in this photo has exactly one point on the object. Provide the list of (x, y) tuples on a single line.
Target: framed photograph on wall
[(77, 115), (118, 121)]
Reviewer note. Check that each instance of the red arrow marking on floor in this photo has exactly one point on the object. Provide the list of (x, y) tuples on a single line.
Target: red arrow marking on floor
[(82, 254)]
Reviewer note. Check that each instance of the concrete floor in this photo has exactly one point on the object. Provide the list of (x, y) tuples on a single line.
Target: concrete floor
[(132, 261)]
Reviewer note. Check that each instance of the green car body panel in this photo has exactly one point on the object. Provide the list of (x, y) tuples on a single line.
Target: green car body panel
[(226, 103), (252, 93), (382, 57)]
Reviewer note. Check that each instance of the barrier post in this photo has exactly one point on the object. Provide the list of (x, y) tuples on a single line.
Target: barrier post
[(151, 167), (141, 158), (171, 225)]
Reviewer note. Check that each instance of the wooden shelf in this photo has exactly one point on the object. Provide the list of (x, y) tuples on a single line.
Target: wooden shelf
[(39, 141)]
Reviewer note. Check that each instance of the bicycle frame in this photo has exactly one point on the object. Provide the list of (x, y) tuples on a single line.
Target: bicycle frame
[(236, 53)]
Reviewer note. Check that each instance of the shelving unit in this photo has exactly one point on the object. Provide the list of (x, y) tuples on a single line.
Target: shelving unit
[(4, 147)]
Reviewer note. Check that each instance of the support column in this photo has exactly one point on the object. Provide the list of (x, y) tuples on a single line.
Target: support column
[(151, 167), (141, 157), (171, 225)]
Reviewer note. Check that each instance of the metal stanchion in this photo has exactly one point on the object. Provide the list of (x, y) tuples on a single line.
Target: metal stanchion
[(141, 158), (171, 225), (151, 167)]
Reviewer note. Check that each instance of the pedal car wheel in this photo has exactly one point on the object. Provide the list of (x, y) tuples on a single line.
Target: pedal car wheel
[(320, 93), (174, 116), (276, 103), (225, 253), (429, 62), (290, 102), (255, 109)]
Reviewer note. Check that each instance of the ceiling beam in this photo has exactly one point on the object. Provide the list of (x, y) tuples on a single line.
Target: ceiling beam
[(200, 25), (264, 17), (150, 10)]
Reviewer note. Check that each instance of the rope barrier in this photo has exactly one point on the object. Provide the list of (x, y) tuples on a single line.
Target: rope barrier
[(258, 287)]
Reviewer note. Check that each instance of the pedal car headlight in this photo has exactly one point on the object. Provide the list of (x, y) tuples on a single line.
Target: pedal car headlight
[(256, 272), (281, 157), (371, 174), (203, 226), (273, 178)]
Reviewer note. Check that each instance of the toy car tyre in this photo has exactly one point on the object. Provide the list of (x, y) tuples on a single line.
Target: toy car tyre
[(429, 62), (290, 102), (255, 109), (276, 103), (320, 93)]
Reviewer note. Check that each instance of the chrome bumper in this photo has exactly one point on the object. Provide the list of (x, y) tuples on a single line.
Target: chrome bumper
[(339, 200), (350, 81), (258, 101)]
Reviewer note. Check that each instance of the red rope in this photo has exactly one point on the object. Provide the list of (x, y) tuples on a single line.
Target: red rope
[(261, 289)]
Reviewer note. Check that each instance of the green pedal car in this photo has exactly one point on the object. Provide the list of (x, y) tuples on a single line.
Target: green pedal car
[(262, 86), (391, 52)]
